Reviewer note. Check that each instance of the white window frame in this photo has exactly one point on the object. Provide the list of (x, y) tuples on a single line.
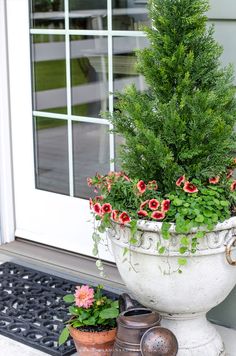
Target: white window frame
[(7, 216)]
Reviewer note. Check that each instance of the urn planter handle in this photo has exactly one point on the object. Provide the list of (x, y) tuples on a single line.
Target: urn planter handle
[(231, 243)]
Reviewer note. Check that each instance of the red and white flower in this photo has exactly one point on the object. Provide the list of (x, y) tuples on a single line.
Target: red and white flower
[(142, 213), (143, 204), (229, 173), (214, 180), (153, 204), (190, 188), (233, 186), (152, 185), (180, 181), (114, 215), (89, 182), (106, 208), (124, 218), (141, 186), (97, 208), (158, 215), (165, 205)]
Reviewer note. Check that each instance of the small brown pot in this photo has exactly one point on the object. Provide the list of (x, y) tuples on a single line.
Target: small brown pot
[(93, 343)]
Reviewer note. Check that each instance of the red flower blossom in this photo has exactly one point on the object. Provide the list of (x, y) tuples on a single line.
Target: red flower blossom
[(97, 208), (153, 204), (158, 215), (165, 205), (142, 213), (91, 204), (114, 215), (214, 180), (143, 204), (229, 173), (190, 188), (89, 182), (233, 186), (180, 181), (141, 186), (106, 208), (124, 218), (152, 185)]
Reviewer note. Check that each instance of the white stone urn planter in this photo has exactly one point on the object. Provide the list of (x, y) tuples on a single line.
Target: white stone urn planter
[(182, 299)]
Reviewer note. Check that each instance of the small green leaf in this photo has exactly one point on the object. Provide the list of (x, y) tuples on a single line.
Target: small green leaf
[(125, 251), (183, 249), (161, 250), (185, 241), (200, 234), (182, 261), (199, 218), (63, 336), (69, 298)]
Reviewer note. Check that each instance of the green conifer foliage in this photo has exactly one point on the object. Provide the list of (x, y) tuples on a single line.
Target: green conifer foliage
[(183, 123)]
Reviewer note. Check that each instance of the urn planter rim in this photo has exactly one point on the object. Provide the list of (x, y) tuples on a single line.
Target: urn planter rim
[(155, 226)]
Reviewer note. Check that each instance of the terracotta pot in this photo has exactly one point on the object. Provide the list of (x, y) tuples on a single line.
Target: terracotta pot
[(93, 343)]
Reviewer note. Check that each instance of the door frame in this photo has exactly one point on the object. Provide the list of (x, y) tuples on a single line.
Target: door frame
[(7, 207)]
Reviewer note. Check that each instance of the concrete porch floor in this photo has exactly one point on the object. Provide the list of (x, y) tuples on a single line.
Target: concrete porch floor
[(11, 348)]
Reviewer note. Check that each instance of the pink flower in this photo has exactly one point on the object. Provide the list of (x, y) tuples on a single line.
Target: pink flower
[(180, 181), (91, 204), (214, 180), (97, 208), (152, 185), (141, 186), (109, 187), (158, 215), (142, 213), (233, 186), (165, 205), (84, 297), (190, 188), (153, 204), (114, 215), (143, 204), (229, 173), (106, 208), (124, 218), (89, 182)]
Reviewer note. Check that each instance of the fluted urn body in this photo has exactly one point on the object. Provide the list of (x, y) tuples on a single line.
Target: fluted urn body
[(184, 298)]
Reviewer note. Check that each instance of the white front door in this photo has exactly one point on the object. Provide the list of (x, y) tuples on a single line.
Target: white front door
[(65, 58)]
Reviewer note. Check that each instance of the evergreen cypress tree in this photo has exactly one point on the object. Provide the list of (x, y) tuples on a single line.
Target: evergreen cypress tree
[(183, 123)]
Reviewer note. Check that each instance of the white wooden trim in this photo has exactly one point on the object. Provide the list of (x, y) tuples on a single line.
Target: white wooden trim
[(7, 220)]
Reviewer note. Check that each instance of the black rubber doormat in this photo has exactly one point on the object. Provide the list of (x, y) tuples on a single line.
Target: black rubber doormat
[(32, 310)]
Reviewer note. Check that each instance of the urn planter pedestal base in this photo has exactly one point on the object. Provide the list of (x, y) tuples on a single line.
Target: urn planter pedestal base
[(195, 335), (183, 299)]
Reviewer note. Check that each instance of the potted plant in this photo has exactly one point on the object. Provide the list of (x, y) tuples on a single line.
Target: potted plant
[(93, 321), (170, 216)]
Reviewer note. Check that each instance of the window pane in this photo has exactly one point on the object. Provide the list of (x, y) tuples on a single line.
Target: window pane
[(129, 14), (89, 75), (47, 14), (49, 73), (124, 60), (88, 14), (91, 154), (51, 155)]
